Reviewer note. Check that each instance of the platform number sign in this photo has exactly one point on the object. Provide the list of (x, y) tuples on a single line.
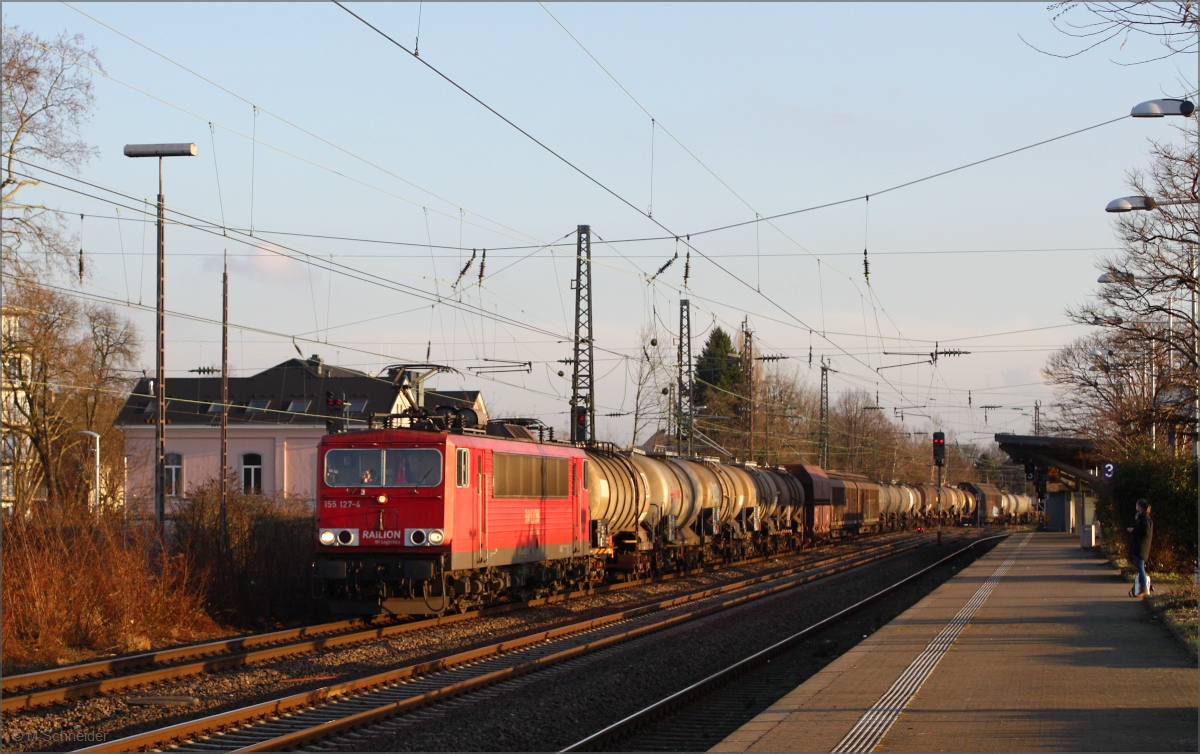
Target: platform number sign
[(1107, 471)]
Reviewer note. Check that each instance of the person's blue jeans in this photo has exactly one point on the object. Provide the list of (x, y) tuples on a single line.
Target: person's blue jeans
[(1142, 583)]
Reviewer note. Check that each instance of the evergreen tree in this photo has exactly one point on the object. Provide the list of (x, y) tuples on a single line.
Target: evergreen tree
[(719, 366)]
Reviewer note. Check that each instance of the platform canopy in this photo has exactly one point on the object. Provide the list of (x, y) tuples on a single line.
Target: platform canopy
[(1072, 456)]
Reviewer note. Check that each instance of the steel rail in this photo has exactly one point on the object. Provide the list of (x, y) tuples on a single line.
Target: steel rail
[(225, 654), (354, 693), (626, 725), (40, 678)]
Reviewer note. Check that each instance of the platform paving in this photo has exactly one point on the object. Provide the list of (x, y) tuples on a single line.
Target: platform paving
[(1057, 657)]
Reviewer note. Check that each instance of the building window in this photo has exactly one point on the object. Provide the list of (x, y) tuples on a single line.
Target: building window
[(150, 408), (464, 467), (173, 474), (298, 407), (257, 406), (214, 408), (252, 473), (357, 405)]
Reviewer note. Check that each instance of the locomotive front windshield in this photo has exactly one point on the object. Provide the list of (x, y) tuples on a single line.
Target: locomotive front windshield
[(374, 467)]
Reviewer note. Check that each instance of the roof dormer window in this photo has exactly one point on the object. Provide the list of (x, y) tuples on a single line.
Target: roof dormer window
[(257, 405)]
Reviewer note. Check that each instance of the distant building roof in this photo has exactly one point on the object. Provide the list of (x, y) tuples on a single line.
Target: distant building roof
[(293, 392)]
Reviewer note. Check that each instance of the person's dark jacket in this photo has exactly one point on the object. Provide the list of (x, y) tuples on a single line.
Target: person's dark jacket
[(1143, 531)]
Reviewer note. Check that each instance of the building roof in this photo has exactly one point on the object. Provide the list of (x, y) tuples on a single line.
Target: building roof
[(293, 392)]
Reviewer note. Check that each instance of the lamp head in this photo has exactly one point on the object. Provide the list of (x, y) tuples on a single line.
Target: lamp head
[(1157, 108), (160, 150), (1130, 203)]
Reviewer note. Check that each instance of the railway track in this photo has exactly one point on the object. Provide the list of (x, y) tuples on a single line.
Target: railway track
[(699, 716), (310, 716), (75, 682)]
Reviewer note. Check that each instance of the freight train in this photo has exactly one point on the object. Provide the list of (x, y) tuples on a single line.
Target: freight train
[(423, 520)]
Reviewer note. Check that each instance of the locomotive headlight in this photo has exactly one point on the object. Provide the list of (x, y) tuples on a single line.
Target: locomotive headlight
[(436, 536), (381, 499), (327, 537)]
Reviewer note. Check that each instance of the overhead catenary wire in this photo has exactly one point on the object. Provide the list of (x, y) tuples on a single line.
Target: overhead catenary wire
[(280, 150), (278, 117), (248, 328), (689, 250), (213, 228), (588, 176), (563, 159), (309, 258)]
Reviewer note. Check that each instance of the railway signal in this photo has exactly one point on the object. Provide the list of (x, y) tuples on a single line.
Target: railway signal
[(581, 423), (939, 448), (335, 402)]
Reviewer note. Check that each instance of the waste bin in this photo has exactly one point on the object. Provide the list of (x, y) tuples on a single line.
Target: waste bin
[(1087, 536)]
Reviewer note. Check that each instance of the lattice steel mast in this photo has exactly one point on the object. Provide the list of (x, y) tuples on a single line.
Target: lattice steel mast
[(823, 448), (685, 439), (582, 398), (747, 391)]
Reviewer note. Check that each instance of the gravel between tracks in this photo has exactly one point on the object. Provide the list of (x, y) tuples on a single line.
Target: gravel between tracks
[(72, 725), (550, 710)]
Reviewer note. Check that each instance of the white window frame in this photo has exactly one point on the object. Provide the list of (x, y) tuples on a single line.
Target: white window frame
[(464, 467), (255, 470), (172, 475)]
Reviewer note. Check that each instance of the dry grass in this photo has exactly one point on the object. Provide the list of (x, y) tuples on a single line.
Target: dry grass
[(1178, 607), (73, 586)]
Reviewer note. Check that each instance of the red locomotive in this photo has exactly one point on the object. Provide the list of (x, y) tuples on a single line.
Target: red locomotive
[(417, 521)]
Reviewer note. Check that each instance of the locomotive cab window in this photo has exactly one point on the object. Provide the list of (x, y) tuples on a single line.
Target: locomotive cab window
[(464, 467), (396, 467)]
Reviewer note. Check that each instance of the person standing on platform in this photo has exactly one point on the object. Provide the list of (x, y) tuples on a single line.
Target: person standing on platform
[(1139, 550)]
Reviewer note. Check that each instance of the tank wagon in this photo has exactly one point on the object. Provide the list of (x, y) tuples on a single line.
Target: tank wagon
[(997, 506)]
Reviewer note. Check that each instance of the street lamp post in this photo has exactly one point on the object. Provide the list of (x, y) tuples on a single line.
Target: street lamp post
[(1159, 108), (96, 476), (160, 394)]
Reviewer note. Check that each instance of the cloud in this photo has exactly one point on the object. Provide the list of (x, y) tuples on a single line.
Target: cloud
[(268, 263)]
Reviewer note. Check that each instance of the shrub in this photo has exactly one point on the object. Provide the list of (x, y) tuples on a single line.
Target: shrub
[(1168, 482), (72, 583), (265, 575)]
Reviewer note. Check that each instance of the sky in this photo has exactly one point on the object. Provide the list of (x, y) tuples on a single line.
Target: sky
[(356, 182)]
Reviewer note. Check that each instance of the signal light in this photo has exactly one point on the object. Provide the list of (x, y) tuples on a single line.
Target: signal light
[(939, 448), (334, 401), (580, 430)]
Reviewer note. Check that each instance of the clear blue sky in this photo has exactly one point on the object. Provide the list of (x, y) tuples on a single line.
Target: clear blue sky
[(790, 105)]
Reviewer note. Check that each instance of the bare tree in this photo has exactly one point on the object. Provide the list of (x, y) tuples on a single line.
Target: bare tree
[(1174, 24), (1138, 375), (65, 366), (653, 376), (47, 97), (63, 362)]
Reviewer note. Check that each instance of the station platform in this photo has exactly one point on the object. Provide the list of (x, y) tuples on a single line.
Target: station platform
[(1036, 646)]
